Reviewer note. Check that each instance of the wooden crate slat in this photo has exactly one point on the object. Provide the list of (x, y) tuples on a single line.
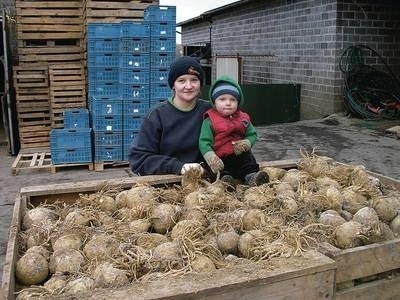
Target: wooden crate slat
[(51, 57), (49, 35), (50, 20), (101, 13), (47, 12), (48, 28), (49, 50), (116, 5), (48, 4)]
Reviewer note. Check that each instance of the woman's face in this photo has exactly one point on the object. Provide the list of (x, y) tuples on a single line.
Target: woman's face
[(187, 88)]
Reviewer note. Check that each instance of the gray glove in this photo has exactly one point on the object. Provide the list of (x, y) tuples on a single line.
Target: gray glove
[(241, 146), (213, 161)]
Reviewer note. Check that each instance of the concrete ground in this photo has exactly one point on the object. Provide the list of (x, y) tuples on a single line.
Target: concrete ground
[(347, 140)]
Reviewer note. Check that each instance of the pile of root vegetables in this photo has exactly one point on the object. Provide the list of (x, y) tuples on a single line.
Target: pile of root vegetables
[(113, 238)]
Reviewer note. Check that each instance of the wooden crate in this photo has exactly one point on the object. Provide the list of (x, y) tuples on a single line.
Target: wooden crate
[(115, 11), (54, 20), (30, 76), (307, 277), (67, 90)]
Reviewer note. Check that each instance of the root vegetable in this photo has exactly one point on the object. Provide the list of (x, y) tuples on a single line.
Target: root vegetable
[(164, 217), (38, 216), (68, 241), (349, 235), (32, 268), (323, 183), (202, 264), (196, 215), (246, 242), (39, 250), (149, 241), (253, 219), (395, 225), (120, 199), (332, 218), (105, 275), (295, 177), (139, 226), (258, 197), (100, 247), (66, 261), (77, 218), (141, 196), (228, 242), (366, 216), (381, 232), (107, 203), (386, 207), (187, 228), (274, 173), (56, 283), (289, 206), (353, 201), (80, 286), (334, 197), (166, 256), (282, 187)]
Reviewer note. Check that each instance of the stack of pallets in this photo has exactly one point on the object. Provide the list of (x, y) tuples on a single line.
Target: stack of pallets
[(49, 42)]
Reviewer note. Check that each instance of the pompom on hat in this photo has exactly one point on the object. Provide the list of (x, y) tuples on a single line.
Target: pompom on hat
[(185, 65)]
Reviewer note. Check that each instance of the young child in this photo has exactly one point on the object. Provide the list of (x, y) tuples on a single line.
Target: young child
[(227, 135)]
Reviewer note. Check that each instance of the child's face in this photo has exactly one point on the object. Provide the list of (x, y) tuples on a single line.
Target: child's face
[(226, 104)]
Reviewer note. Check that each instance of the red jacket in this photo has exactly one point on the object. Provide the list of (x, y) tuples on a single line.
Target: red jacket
[(227, 129)]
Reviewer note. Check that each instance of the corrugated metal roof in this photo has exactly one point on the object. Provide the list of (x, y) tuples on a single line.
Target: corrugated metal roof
[(210, 13)]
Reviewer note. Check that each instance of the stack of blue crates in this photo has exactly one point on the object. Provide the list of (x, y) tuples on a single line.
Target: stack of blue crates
[(127, 74), (162, 49), (73, 143)]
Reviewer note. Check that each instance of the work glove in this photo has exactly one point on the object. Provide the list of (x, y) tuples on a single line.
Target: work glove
[(241, 146), (213, 161), (192, 166)]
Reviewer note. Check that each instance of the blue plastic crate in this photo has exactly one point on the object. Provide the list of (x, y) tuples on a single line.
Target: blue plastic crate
[(76, 118), (108, 153), (125, 153), (132, 123), (133, 77), (135, 45), (107, 60), (134, 62), (103, 30), (159, 76), (129, 136), (71, 155), (160, 91), (75, 138), (160, 13), (163, 30), (135, 109), (161, 60), (102, 75), (103, 45), (163, 45), (107, 89), (107, 138), (132, 29), (106, 106), (134, 92), (107, 123)]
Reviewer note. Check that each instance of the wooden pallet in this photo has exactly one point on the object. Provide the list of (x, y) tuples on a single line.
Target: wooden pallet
[(40, 160), (31, 76), (99, 166)]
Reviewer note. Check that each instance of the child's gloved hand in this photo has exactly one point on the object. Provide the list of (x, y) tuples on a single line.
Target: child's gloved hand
[(190, 166), (213, 161), (241, 146)]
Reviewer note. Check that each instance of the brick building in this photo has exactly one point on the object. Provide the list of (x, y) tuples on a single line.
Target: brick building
[(299, 41)]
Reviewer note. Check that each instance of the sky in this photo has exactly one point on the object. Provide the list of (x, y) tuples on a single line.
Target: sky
[(187, 9)]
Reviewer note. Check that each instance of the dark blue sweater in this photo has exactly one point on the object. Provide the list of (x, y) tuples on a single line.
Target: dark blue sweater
[(168, 138)]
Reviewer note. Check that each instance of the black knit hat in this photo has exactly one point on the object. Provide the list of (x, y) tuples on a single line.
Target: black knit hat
[(185, 65)]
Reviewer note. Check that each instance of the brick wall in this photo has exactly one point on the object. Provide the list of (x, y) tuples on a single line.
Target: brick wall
[(301, 42)]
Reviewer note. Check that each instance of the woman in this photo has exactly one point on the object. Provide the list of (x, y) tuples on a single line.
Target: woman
[(167, 142)]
